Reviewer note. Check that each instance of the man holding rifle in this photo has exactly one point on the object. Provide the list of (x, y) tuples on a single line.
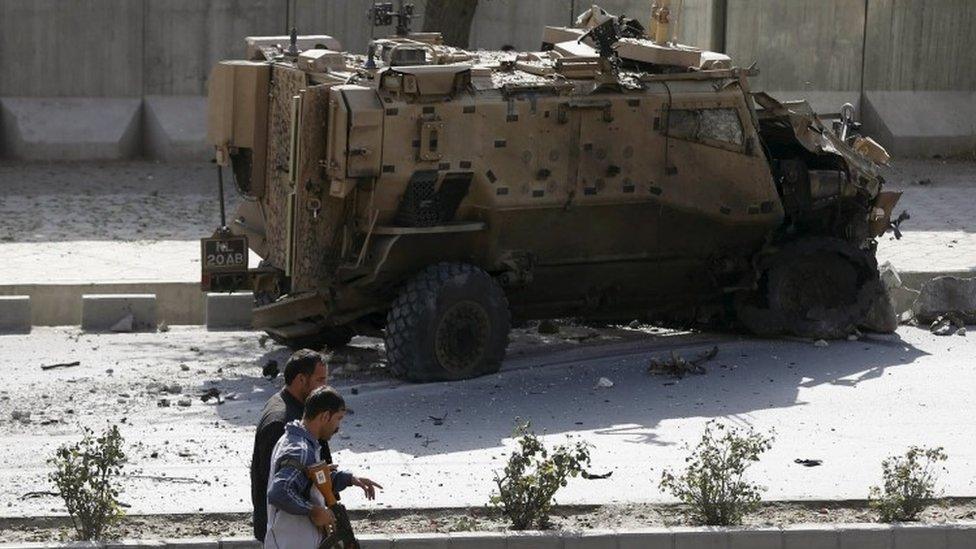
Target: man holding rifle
[(300, 516)]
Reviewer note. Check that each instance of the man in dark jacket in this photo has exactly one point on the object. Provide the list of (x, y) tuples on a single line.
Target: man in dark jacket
[(305, 371)]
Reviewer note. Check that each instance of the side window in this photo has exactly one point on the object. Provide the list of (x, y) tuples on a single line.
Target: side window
[(706, 126)]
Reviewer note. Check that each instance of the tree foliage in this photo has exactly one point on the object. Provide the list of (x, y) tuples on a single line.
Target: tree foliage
[(908, 484), (713, 483), (532, 477), (86, 476)]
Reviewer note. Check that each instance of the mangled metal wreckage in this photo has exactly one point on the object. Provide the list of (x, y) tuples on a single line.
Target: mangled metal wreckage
[(434, 194)]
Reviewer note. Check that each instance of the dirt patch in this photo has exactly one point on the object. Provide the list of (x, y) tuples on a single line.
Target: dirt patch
[(481, 519)]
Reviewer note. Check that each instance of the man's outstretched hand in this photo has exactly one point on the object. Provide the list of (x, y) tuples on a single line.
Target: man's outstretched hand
[(369, 487)]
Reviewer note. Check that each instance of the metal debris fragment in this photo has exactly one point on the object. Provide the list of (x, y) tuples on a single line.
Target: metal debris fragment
[(679, 367)]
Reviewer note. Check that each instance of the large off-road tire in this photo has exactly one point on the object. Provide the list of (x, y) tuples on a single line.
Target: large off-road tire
[(450, 321), (333, 337), (819, 288)]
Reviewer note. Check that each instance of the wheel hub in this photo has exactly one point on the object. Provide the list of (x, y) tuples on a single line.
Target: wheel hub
[(462, 336)]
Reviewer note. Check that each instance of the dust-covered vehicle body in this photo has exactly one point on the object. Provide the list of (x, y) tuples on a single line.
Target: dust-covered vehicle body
[(437, 193)]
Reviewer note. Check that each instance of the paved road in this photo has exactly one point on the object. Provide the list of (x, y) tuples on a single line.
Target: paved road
[(849, 404)]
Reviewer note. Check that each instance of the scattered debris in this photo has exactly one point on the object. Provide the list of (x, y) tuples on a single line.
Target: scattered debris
[(547, 327), (263, 340), (32, 495), (924, 182), (125, 324), (184, 367), (354, 390), (603, 383), (61, 365), (678, 367), (184, 403), (634, 324), (578, 333), (270, 370), (162, 327), (20, 415), (173, 389), (212, 393), (948, 324), (438, 420), (590, 476), (852, 337), (820, 343), (808, 462), (163, 403)]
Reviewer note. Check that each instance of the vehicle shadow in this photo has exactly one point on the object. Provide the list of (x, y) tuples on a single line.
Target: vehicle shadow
[(560, 395)]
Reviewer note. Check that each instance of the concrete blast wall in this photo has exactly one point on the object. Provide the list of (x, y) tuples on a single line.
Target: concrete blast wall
[(825, 50)]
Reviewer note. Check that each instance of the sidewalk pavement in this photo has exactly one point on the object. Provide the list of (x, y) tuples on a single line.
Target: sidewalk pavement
[(141, 221)]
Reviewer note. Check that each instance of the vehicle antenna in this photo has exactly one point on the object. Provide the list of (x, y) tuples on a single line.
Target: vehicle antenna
[(220, 192)]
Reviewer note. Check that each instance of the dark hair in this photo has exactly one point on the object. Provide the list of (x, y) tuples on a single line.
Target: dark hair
[(302, 362), (323, 399)]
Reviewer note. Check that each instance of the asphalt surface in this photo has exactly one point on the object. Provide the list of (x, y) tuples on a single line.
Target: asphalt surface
[(849, 404)]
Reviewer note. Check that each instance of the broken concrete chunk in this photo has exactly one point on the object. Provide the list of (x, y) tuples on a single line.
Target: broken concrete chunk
[(889, 276), (125, 324), (604, 383), (947, 295), (902, 298), (184, 402), (881, 318)]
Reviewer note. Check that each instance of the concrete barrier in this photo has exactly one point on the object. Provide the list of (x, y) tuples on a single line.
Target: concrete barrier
[(61, 304), (921, 123), (809, 536), (175, 128), (822, 102), (70, 128), (229, 311), (102, 312), (15, 314)]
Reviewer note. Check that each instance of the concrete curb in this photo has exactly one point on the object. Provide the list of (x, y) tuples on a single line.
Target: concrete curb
[(800, 536), (229, 311), (15, 314), (182, 303), (101, 312)]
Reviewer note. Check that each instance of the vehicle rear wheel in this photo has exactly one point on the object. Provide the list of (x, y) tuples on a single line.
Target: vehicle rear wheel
[(451, 321), (819, 288)]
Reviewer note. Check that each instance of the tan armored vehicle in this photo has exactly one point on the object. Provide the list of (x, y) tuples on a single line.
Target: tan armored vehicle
[(436, 194)]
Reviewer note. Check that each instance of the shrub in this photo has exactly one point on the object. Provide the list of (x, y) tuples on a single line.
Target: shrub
[(532, 477), (713, 483), (86, 475), (909, 484)]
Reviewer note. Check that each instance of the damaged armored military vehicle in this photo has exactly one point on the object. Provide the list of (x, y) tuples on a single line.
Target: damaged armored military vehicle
[(435, 194)]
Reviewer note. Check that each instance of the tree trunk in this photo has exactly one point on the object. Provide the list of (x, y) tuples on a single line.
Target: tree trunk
[(452, 18)]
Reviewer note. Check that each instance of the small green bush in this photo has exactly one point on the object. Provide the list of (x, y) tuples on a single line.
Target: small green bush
[(909, 484), (713, 483), (86, 475), (532, 477)]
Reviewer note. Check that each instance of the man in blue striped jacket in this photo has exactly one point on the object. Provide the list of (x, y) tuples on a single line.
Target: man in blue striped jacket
[(297, 514)]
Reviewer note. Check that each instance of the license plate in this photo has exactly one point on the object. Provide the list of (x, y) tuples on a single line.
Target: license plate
[(224, 254)]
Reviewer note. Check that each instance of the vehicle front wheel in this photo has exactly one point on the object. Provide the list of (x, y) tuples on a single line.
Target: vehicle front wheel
[(821, 288), (450, 321)]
